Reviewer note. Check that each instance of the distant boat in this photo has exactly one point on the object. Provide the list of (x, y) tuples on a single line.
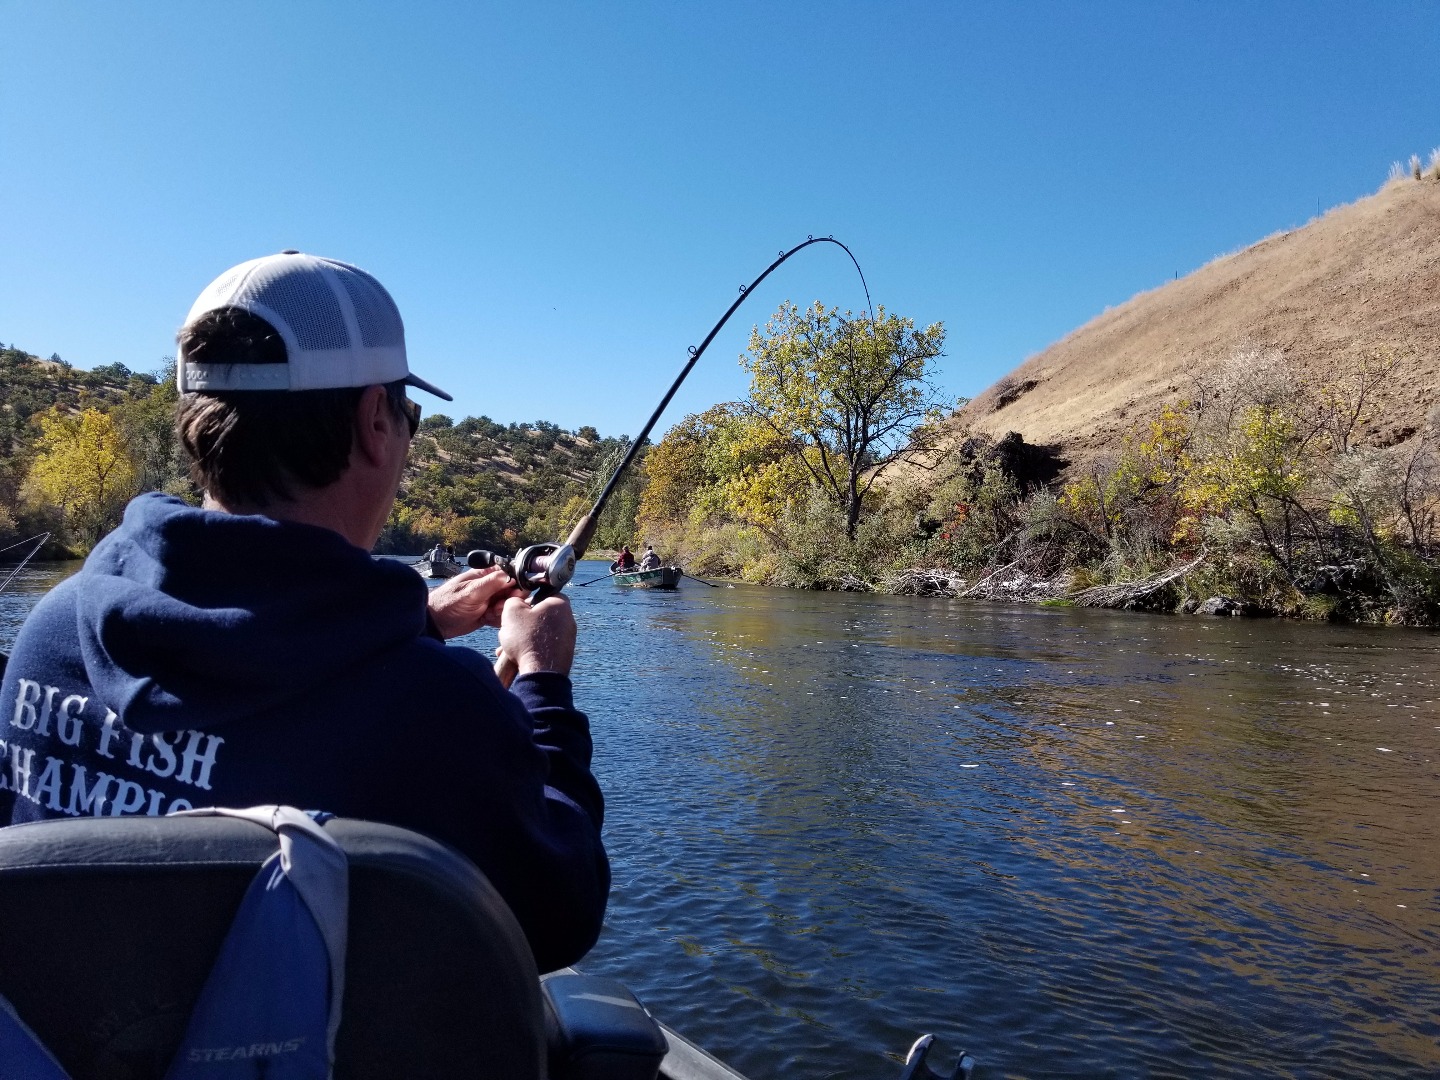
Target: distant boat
[(442, 568), (662, 577)]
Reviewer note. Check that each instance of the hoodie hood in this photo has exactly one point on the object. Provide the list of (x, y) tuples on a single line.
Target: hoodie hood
[(191, 618)]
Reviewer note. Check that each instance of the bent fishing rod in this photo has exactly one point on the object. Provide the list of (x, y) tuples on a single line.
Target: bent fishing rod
[(548, 568)]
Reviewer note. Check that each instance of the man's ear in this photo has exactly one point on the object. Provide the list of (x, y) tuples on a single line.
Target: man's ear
[(375, 423)]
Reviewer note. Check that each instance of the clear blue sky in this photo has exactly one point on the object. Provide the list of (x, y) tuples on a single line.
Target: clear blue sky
[(563, 197)]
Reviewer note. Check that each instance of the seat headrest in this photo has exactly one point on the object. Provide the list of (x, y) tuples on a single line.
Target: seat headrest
[(112, 925)]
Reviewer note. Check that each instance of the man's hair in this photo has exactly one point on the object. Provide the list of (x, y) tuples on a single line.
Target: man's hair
[(253, 447)]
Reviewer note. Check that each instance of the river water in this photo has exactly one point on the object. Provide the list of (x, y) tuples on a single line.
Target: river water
[(1077, 843)]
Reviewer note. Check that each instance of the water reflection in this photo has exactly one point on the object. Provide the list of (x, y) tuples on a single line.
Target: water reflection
[(1085, 843), (1080, 843), (21, 594)]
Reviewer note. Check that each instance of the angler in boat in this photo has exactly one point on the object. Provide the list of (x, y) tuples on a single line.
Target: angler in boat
[(439, 562), (198, 660), (649, 573), (441, 553)]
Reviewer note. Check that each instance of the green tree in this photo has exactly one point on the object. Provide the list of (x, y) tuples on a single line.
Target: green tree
[(675, 472), (844, 393), (617, 523), (147, 420)]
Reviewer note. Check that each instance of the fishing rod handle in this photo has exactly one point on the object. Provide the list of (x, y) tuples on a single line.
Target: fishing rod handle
[(505, 668), (580, 536)]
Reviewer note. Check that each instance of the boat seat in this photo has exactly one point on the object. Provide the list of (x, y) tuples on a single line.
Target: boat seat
[(109, 928)]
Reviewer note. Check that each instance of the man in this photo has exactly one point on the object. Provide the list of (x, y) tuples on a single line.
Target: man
[(650, 561), (626, 561), (252, 651)]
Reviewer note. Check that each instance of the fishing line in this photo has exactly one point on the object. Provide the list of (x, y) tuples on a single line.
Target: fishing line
[(602, 577), (40, 540), (604, 468)]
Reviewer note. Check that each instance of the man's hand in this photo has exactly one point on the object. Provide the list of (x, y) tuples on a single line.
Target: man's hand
[(471, 600), (539, 637)]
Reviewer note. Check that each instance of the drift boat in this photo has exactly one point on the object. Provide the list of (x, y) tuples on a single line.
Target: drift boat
[(442, 568), (662, 577)]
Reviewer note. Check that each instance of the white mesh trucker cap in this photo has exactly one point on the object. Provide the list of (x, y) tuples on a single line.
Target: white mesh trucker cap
[(339, 325)]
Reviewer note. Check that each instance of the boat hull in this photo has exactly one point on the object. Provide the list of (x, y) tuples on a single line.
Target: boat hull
[(662, 577), (427, 569)]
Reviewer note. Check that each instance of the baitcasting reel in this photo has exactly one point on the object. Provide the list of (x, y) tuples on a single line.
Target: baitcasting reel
[(540, 566)]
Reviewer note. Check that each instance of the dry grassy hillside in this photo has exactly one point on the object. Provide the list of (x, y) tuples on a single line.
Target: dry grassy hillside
[(1363, 276)]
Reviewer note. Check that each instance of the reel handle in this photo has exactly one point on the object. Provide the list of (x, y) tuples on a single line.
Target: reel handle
[(483, 560), (538, 567)]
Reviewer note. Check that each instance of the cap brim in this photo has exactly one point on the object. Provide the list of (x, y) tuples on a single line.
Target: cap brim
[(429, 388)]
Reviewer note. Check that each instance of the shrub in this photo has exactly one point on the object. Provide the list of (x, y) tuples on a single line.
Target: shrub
[(1319, 607), (814, 552)]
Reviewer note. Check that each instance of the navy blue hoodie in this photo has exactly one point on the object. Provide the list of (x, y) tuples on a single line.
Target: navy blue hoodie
[(208, 659)]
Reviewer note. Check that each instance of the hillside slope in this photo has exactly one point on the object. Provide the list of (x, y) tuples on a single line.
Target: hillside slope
[(1363, 276)]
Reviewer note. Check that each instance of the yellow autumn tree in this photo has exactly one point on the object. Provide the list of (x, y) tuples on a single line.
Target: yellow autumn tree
[(83, 468), (722, 465), (846, 393), (675, 470), (1139, 486)]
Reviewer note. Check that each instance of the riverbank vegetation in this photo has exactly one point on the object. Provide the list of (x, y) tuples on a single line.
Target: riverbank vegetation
[(476, 483), (1250, 492), (76, 446)]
